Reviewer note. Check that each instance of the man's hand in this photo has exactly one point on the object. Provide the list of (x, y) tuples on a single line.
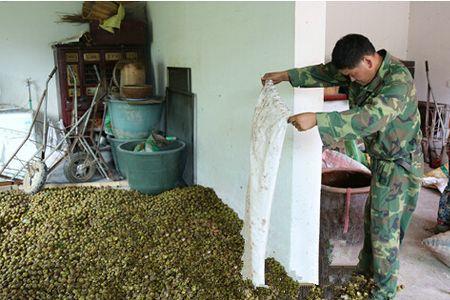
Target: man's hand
[(303, 121), (276, 77)]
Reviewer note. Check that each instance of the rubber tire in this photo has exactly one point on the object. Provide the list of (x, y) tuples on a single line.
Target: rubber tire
[(38, 178), (70, 168)]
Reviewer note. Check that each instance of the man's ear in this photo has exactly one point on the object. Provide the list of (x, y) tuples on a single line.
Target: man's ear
[(368, 61)]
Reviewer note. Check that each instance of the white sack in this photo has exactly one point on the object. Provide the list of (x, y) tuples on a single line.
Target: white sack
[(268, 131), (14, 126), (439, 245)]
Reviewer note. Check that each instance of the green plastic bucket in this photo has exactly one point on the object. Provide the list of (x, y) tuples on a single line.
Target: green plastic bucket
[(134, 119), (117, 157), (153, 172)]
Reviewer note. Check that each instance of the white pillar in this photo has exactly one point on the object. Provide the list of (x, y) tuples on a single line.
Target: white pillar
[(310, 22)]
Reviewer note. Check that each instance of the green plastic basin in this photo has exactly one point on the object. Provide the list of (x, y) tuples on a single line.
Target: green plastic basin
[(153, 172), (117, 157), (134, 119)]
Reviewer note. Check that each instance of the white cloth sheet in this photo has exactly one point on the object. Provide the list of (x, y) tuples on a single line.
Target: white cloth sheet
[(268, 132)]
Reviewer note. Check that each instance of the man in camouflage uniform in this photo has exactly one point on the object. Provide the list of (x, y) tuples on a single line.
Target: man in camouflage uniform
[(443, 218), (383, 112)]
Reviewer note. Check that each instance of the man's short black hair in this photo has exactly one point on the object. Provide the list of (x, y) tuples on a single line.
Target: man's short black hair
[(350, 50)]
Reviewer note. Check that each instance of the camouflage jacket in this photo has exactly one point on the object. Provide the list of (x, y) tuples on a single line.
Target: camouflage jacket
[(383, 113)]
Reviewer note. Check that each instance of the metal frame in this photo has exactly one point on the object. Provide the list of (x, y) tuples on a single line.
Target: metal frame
[(17, 172), (437, 132), (75, 136)]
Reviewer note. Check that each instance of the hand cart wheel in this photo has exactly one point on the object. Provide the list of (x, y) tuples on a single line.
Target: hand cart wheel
[(35, 177), (79, 167)]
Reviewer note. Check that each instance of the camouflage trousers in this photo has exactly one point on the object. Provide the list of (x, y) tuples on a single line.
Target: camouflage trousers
[(392, 200), (443, 218)]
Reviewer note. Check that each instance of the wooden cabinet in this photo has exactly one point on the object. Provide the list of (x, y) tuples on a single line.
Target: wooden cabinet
[(82, 60)]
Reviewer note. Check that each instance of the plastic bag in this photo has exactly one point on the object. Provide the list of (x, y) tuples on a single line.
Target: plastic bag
[(268, 131), (107, 127), (155, 142), (333, 159), (437, 178), (150, 145)]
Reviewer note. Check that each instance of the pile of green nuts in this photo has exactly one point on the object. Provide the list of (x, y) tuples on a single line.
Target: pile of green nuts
[(90, 243), (358, 287)]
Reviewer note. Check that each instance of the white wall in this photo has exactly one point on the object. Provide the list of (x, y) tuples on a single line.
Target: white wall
[(409, 30), (26, 31), (430, 40), (229, 46), (384, 23)]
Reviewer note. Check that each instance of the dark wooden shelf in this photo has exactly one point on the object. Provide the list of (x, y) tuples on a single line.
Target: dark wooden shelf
[(82, 59)]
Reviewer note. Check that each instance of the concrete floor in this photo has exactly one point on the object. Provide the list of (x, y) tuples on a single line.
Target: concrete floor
[(423, 276)]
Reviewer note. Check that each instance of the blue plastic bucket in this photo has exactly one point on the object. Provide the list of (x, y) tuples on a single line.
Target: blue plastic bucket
[(153, 172), (134, 119)]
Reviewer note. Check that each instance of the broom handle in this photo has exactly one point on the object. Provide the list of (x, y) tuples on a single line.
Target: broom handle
[(430, 92), (427, 110)]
